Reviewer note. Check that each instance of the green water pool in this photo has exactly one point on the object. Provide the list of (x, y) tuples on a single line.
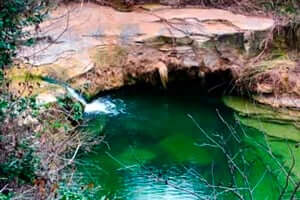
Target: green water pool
[(181, 145)]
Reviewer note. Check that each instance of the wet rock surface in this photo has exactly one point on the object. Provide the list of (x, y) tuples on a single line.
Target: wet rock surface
[(280, 122)]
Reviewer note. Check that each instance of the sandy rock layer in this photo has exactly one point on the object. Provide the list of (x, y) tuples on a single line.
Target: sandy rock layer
[(97, 48)]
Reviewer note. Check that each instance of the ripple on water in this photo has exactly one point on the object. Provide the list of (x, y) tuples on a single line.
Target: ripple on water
[(151, 141)]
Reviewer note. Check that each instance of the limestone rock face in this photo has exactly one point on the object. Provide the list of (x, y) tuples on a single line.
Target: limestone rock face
[(97, 48), (170, 2)]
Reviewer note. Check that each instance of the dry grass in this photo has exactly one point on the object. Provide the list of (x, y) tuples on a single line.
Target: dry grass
[(55, 140), (276, 77)]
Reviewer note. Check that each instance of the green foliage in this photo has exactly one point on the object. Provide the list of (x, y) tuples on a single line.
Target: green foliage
[(3, 106), (77, 111), (14, 16), (16, 107), (1, 77), (75, 108), (21, 165), (68, 195), (289, 7), (75, 192), (4, 197)]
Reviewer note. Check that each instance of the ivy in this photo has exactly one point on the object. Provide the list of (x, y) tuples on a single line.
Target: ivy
[(22, 166), (75, 108), (14, 16), (4, 197)]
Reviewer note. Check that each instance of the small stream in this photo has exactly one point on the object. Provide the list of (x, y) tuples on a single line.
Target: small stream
[(176, 145)]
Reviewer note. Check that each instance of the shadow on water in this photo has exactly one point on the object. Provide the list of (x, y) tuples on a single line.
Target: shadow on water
[(177, 145)]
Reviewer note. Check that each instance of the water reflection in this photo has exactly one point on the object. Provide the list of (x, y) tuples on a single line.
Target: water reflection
[(155, 151), (150, 184)]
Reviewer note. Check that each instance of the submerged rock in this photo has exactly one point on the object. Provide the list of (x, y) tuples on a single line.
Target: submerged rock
[(280, 123), (284, 131), (135, 156), (270, 150), (247, 108), (287, 151), (184, 149)]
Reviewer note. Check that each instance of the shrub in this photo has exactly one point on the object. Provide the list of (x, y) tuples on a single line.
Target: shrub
[(21, 165), (14, 16)]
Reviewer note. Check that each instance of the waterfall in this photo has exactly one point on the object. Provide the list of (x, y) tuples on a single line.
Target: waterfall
[(100, 105), (76, 96), (97, 106)]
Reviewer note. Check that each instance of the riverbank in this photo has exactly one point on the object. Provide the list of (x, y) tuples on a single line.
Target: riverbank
[(96, 49), (38, 145), (161, 46), (158, 47)]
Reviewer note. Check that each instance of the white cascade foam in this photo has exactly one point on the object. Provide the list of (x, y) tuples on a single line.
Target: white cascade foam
[(96, 106), (76, 96), (99, 106)]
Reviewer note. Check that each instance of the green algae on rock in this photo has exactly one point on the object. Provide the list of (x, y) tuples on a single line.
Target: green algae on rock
[(134, 156), (188, 151), (284, 131), (281, 123), (269, 152), (256, 110)]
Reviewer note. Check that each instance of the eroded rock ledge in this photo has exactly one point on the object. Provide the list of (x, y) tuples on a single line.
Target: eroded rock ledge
[(95, 49)]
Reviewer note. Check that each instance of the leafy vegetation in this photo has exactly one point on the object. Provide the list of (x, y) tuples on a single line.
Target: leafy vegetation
[(14, 16), (18, 162), (38, 143), (28, 136), (22, 167)]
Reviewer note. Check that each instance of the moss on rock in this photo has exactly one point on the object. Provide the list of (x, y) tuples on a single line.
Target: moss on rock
[(281, 123)]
